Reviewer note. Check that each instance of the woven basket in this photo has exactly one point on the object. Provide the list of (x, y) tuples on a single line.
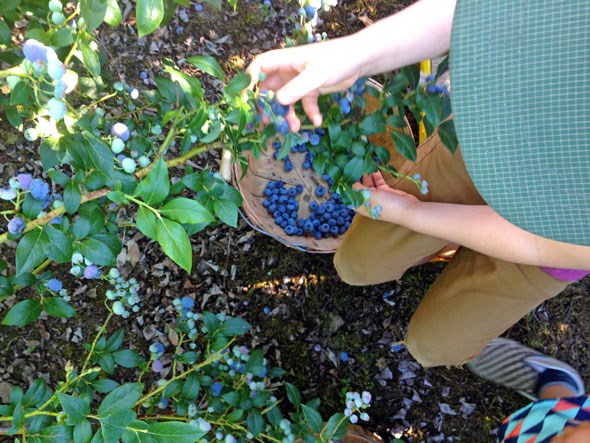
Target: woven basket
[(265, 169)]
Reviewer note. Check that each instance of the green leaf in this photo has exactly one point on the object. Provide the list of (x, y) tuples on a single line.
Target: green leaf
[(54, 434), (149, 15), (431, 106), (5, 34), (293, 394), (6, 288), (56, 307), (190, 86), (127, 358), (184, 210), (97, 252), (336, 427), (83, 432), (122, 398), (404, 144), (354, 169), (106, 362), (81, 228), (236, 86), (175, 243), (147, 222), (372, 124), (62, 37), (18, 416), (30, 250), (227, 212), (312, 418), (93, 12), (72, 197), (448, 135), (233, 326), (104, 385), (191, 387), (207, 64), (76, 408), (23, 313), (31, 206), (90, 58), (36, 393), (175, 432), (155, 187), (115, 341), (21, 94), (113, 425), (255, 422), (59, 247), (412, 74), (113, 13)]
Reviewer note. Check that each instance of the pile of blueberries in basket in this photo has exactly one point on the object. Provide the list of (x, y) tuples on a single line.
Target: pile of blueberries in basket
[(330, 218)]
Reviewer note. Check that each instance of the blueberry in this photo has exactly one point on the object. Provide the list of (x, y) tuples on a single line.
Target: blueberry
[(314, 139), (320, 191), (16, 225), (290, 230), (187, 302)]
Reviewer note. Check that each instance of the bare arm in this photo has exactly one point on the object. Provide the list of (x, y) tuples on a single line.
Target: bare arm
[(477, 227), (303, 73)]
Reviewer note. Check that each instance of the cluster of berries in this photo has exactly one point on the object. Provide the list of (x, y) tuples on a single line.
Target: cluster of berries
[(433, 87), (42, 60), (309, 18), (271, 108), (81, 266), (125, 294), (186, 316), (38, 189), (55, 285), (331, 218), (355, 404)]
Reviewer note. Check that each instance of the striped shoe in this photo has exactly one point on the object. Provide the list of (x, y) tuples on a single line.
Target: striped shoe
[(523, 369)]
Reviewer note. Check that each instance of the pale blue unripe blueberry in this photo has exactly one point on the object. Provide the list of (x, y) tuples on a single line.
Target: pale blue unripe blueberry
[(118, 308), (114, 273), (59, 89), (58, 18), (129, 165), (55, 68), (31, 134), (117, 145), (143, 161), (56, 108), (55, 6)]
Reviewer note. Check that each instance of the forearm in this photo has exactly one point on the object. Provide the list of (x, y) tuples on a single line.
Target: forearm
[(419, 32), (480, 228)]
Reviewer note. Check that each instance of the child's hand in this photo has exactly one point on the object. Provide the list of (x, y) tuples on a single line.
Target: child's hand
[(392, 202)]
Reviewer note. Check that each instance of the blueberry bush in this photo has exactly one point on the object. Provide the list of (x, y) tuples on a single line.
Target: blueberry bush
[(107, 150)]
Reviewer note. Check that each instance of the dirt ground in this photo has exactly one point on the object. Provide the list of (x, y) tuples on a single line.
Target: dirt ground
[(242, 272)]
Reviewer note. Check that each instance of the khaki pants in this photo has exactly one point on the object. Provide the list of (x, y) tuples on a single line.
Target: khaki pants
[(474, 300)]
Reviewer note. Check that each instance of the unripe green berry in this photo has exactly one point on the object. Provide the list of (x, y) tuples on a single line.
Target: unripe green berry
[(117, 145), (129, 165), (58, 18), (143, 161), (55, 6)]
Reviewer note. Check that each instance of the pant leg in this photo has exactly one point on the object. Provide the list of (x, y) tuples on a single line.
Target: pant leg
[(374, 251), (473, 301)]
